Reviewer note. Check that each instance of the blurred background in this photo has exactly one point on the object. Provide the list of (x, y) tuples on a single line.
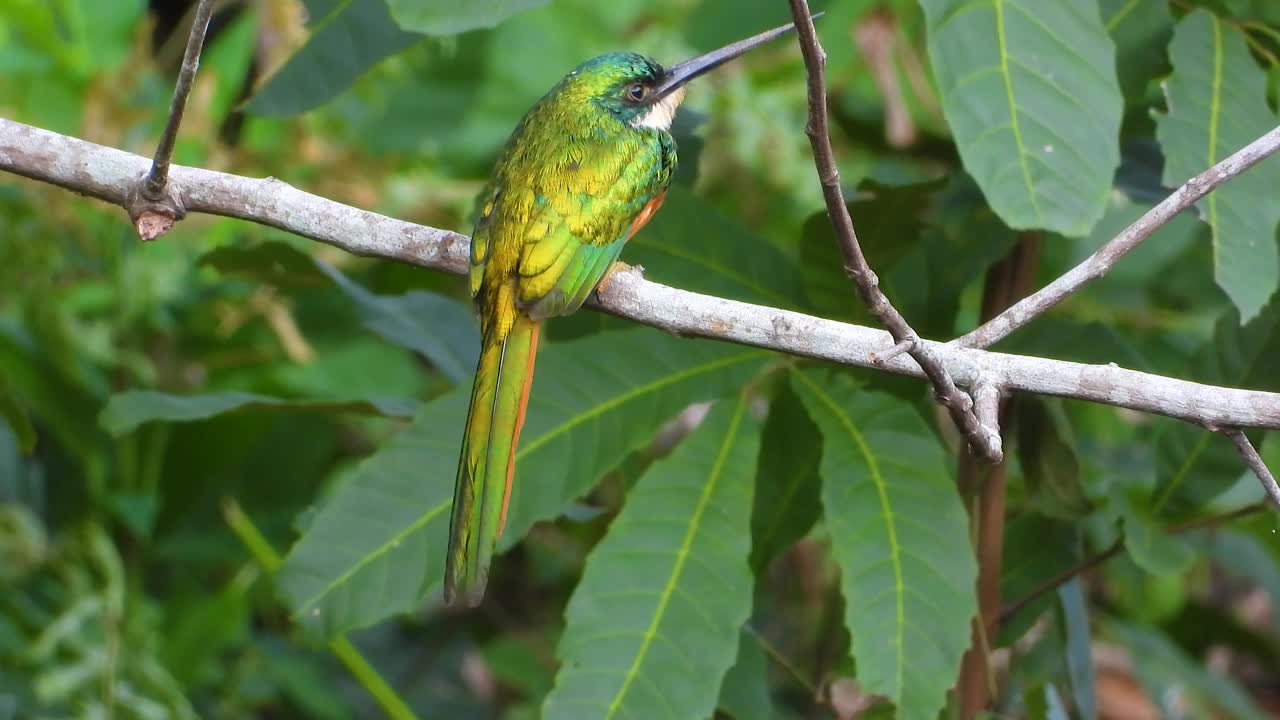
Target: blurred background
[(135, 555)]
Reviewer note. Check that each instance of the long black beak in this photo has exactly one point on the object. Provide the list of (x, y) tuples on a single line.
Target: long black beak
[(677, 75)]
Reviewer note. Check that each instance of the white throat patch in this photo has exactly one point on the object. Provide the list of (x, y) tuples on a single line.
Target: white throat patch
[(661, 113)]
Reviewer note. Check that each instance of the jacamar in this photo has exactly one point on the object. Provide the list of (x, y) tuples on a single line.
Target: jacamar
[(585, 169)]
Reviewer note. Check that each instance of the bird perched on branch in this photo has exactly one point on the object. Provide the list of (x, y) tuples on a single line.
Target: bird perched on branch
[(585, 169)]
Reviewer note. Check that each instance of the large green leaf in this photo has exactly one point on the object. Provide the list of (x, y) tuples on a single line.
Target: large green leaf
[(1217, 99), (787, 481), (1079, 647), (377, 547), (449, 17), (900, 536), (127, 410), (16, 418), (347, 38), (654, 624), (1029, 89)]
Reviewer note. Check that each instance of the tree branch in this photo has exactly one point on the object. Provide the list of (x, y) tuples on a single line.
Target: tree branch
[(984, 441), (109, 174), (152, 209), (1254, 461), (1097, 264)]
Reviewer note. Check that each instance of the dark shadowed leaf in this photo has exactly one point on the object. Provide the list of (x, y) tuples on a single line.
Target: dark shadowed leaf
[(691, 245), (1036, 549), (347, 40), (127, 410), (272, 262), (1141, 31), (1217, 105), (787, 481), (889, 220), (669, 585), (900, 536), (449, 17), (442, 329), (377, 547), (1046, 450)]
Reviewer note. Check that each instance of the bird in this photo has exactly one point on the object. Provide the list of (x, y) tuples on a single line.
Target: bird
[(586, 167)]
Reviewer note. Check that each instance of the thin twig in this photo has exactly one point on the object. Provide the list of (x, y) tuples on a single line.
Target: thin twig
[(984, 441), (109, 174), (1097, 264), (159, 174), (1254, 461), (152, 207), (1114, 549)]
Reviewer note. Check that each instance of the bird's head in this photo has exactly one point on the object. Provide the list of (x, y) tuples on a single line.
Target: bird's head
[(641, 93)]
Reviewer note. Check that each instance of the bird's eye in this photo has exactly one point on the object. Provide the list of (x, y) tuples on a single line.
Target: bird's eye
[(636, 92)]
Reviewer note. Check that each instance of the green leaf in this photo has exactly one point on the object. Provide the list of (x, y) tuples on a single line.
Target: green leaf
[(1030, 92), (377, 547), (273, 262), (345, 42), (1218, 104), (12, 413), (1195, 465), (1140, 30), (787, 481), (1079, 650), (1036, 549), (1145, 539), (440, 328), (668, 588), (889, 223), (693, 246), (449, 17), (1046, 451), (900, 536), (1170, 676), (744, 694), (128, 410)]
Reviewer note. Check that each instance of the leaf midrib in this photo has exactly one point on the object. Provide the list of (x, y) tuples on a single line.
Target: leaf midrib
[(886, 512), (682, 555)]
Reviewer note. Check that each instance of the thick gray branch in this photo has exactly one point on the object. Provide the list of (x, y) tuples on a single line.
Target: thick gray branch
[(107, 174)]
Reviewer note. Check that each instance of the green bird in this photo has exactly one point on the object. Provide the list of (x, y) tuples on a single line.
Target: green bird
[(585, 169)]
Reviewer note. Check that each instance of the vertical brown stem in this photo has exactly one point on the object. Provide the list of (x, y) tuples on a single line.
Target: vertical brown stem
[(983, 487)]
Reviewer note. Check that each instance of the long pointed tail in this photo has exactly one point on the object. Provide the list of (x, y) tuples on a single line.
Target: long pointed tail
[(498, 400)]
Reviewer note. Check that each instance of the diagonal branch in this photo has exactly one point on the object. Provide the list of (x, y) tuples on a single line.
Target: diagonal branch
[(153, 210), (984, 441), (1097, 264), (1254, 461), (109, 174)]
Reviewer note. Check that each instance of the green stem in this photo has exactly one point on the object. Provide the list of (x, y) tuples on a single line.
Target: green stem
[(340, 646)]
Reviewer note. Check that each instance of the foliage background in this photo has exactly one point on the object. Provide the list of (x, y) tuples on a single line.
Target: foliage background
[(179, 415)]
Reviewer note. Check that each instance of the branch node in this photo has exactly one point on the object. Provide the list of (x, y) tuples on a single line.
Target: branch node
[(906, 345)]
